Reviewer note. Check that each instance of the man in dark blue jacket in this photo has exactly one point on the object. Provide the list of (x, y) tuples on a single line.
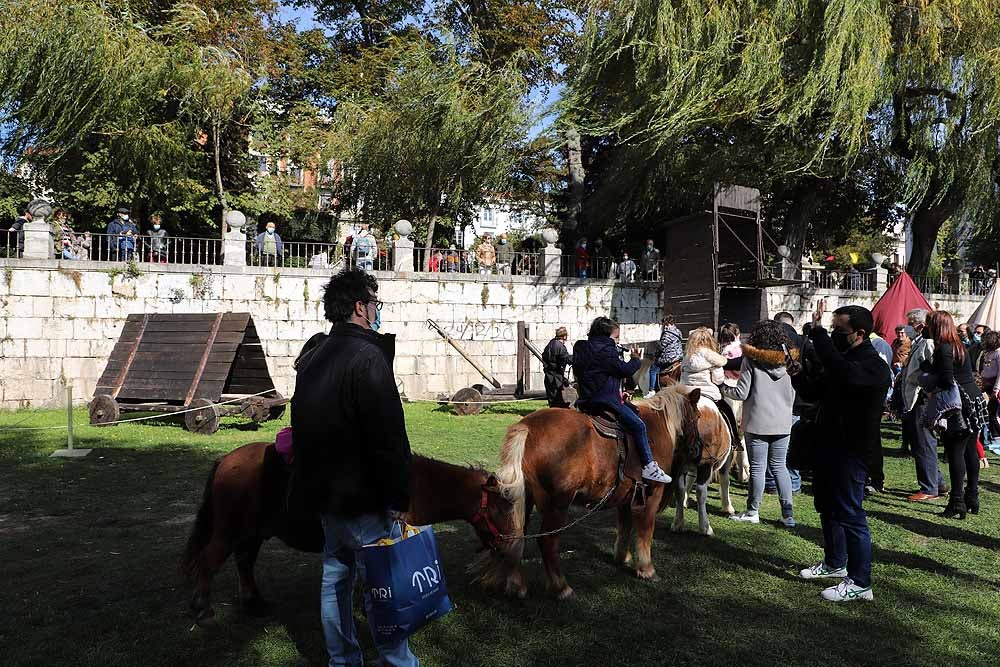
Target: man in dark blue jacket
[(599, 372)]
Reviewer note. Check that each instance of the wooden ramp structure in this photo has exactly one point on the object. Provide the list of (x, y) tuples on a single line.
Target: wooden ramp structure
[(187, 362)]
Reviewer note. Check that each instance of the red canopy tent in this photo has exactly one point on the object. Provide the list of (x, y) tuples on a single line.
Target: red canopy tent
[(890, 311)]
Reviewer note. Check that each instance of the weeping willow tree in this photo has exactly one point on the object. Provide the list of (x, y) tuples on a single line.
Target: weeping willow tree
[(85, 88), (917, 81), (428, 136)]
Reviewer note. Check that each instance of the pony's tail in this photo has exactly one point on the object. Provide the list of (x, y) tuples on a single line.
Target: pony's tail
[(493, 569), (201, 533)]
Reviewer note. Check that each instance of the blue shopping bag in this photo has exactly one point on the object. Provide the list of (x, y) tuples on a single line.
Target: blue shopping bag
[(404, 584)]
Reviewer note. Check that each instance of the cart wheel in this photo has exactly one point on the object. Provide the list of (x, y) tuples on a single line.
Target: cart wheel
[(103, 410), (204, 420), (468, 394), (481, 388), (277, 410)]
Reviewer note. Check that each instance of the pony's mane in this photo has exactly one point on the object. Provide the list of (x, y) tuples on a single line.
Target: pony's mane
[(670, 401)]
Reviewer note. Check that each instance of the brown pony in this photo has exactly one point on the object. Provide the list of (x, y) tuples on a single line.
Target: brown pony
[(554, 458), (245, 503), (690, 469)]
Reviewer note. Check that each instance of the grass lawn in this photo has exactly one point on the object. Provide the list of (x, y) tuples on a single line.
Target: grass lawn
[(90, 549)]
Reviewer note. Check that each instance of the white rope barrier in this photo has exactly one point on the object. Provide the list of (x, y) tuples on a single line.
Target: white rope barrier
[(446, 401), (159, 415)]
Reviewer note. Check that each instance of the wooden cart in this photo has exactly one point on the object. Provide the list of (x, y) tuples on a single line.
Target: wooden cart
[(171, 363)]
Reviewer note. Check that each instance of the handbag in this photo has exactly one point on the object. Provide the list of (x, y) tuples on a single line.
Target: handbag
[(802, 443), (404, 584)]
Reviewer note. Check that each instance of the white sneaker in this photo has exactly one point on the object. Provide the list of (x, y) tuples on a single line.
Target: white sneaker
[(746, 517), (821, 571), (847, 591), (788, 522), (654, 473), (650, 394)]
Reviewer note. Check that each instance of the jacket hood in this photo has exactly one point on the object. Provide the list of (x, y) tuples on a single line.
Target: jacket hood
[(585, 350), (771, 361), (386, 343)]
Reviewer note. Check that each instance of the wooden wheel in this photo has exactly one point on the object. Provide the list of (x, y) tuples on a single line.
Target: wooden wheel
[(204, 420), (103, 410), (474, 407)]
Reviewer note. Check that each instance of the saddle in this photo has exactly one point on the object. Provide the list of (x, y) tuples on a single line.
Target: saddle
[(629, 464)]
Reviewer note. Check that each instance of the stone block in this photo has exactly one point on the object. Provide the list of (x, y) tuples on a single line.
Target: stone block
[(424, 291), (289, 330), (550, 295), (73, 307), (76, 370), (290, 288), (395, 291), (57, 347), (95, 283), (267, 329), (405, 366), (525, 296), (146, 283), (24, 327), (36, 348), (11, 347), (78, 348), (309, 329), (437, 384), (455, 292), (17, 306), (299, 310), (101, 349), (87, 329), (123, 286), (29, 282), (41, 306), (172, 285)]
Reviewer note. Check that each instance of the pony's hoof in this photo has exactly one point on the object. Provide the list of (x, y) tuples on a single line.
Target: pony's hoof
[(206, 619), (676, 528), (647, 574), (565, 594), (709, 532), (729, 511)]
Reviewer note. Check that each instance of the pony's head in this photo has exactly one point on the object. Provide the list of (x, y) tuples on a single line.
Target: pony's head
[(679, 405), (494, 520), (690, 436)]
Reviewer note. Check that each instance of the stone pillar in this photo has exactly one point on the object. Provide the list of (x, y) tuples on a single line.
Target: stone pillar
[(402, 248), (551, 255), (38, 241), (881, 279), (954, 279), (234, 244)]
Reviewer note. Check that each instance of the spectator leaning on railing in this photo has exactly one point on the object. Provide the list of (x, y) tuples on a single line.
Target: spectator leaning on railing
[(486, 255), (157, 240), (269, 246), (17, 230)]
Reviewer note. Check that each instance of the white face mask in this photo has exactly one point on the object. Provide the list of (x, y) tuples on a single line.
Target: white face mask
[(125, 218), (156, 227), (270, 230)]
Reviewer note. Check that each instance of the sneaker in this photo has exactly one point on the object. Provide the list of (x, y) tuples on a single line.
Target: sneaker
[(821, 571), (746, 517), (788, 522), (847, 591), (650, 394), (654, 473)]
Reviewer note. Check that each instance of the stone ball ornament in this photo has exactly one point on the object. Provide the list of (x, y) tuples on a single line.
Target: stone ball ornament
[(403, 228), (550, 235), (236, 220), (40, 208)]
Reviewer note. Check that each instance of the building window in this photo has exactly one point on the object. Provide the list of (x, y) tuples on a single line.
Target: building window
[(324, 201), (295, 175), (262, 164), (487, 216)]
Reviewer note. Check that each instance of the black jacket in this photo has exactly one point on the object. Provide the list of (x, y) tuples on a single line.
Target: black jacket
[(555, 358), (352, 455), (851, 393), (599, 370)]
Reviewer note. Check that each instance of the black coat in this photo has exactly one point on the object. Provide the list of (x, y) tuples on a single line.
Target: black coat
[(851, 393), (555, 358), (352, 455), (599, 370)]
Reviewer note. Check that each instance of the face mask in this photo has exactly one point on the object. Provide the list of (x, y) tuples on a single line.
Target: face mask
[(839, 340), (270, 230), (377, 324), (503, 241), (156, 227), (583, 245), (977, 338), (125, 218)]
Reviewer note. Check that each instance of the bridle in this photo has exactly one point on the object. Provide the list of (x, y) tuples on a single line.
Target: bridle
[(481, 520)]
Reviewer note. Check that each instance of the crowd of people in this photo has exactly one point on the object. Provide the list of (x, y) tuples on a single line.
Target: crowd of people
[(599, 262)]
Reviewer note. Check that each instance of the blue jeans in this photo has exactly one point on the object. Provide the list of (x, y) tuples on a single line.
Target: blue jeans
[(344, 538), (839, 490), (632, 423), (793, 475), (767, 452), (654, 376)]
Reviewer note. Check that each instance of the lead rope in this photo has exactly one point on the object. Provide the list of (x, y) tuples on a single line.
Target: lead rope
[(568, 525)]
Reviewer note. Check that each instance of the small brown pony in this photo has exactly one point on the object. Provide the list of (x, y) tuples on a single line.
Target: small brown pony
[(245, 503), (715, 458), (554, 458)]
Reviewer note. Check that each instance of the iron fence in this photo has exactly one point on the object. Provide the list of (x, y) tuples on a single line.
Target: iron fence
[(140, 248), (604, 268), (9, 243), (853, 280), (446, 260)]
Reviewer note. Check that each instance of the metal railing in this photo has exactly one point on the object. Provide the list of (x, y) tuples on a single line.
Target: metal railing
[(605, 268), (8, 243), (125, 248), (855, 281), (446, 260)]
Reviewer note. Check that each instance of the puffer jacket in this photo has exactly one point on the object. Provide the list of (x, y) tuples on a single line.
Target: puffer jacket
[(703, 369), (599, 371), (766, 390)]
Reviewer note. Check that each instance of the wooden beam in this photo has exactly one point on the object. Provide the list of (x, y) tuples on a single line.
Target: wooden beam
[(131, 356), (204, 359)]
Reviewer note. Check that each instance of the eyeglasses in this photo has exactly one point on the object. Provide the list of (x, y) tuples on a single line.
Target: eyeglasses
[(378, 304)]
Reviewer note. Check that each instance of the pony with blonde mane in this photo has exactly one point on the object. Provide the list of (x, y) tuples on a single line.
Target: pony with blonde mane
[(554, 458)]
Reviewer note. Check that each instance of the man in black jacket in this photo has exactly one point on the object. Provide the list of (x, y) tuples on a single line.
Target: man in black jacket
[(555, 358), (851, 393), (352, 456)]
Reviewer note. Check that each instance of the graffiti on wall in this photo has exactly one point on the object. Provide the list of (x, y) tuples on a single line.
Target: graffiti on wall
[(491, 330)]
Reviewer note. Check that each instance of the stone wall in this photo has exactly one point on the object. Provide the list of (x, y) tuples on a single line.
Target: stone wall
[(59, 320)]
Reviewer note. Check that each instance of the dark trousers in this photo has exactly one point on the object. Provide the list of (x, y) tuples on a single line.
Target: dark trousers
[(632, 423), (876, 469), (924, 450), (839, 489), (963, 462)]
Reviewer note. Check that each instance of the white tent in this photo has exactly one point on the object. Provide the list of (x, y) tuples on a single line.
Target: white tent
[(988, 312)]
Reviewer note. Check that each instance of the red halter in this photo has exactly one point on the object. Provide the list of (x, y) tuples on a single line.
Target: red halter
[(481, 519)]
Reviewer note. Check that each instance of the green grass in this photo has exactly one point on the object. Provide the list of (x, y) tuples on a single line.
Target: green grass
[(89, 551)]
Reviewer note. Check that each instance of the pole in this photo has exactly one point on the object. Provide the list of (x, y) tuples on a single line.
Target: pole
[(69, 417)]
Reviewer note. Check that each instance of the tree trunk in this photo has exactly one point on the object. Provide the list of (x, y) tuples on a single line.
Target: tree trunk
[(796, 226), (220, 191), (925, 223), (576, 176)]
